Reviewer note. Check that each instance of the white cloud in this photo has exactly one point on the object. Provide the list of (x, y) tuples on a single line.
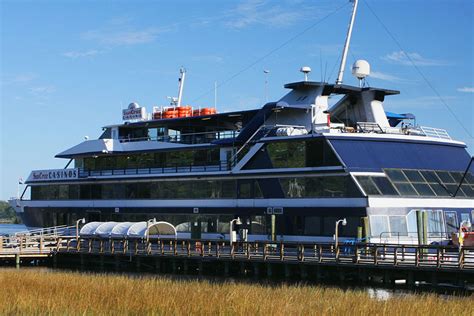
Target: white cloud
[(253, 12), (20, 78), (383, 76), (78, 54), (116, 37), (408, 59), (42, 90), (466, 89), (419, 102), (208, 58)]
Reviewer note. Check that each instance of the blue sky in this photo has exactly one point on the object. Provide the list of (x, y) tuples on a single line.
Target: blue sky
[(68, 67)]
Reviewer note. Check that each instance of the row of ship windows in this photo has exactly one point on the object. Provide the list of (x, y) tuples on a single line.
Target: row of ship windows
[(150, 160), (258, 225), (303, 187), (427, 183), (294, 154)]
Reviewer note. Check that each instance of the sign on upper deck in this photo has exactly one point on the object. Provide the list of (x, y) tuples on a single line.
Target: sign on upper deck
[(53, 175), (134, 112)]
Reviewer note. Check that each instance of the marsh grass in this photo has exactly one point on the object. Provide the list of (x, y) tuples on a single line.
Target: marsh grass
[(37, 292)]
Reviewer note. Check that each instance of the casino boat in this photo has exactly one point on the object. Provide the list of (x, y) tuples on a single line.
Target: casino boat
[(291, 170)]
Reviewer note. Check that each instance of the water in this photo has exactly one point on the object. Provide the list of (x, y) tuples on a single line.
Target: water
[(8, 229)]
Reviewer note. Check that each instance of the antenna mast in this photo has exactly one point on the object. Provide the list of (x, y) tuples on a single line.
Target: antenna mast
[(182, 71), (346, 45)]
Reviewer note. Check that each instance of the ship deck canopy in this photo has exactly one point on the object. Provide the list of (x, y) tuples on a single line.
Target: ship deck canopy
[(128, 230)]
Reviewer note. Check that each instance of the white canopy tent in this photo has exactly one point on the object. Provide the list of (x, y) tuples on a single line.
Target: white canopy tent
[(120, 230), (89, 229), (129, 230), (105, 229)]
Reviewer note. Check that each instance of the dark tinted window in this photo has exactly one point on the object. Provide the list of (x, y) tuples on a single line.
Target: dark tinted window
[(368, 186), (396, 175), (384, 186)]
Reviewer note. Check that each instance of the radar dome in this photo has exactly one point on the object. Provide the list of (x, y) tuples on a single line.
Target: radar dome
[(133, 105), (361, 69)]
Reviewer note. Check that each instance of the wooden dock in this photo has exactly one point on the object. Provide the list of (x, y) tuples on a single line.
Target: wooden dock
[(359, 263)]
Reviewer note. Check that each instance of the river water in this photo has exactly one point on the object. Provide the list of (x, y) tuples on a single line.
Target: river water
[(8, 229)]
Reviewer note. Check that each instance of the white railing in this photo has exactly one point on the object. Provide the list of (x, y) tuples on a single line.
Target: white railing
[(48, 231), (435, 132)]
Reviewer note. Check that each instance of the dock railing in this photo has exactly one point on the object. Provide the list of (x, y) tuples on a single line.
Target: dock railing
[(396, 255)]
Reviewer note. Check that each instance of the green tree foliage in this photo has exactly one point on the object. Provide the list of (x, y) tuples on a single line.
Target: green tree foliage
[(7, 213)]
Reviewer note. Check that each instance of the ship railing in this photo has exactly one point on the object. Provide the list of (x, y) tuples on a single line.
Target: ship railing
[(434, 256), (413, 237), (435, 132), (369, 127), (187, 138), (168, 168), (61, 230)]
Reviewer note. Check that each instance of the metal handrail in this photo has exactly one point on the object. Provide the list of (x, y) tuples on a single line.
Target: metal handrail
[(437, 236), (181, 138), (436, 256), (167, 168)]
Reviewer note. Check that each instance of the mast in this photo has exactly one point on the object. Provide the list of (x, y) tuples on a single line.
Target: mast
[(182, 71), (346, 45)]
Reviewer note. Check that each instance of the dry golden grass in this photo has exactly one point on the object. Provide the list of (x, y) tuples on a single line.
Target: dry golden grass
[(40, 292)]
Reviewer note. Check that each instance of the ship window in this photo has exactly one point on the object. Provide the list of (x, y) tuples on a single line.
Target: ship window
[(445, 177), (430, 176), (439, 189), (78, 163), (258, 225), (405, 189), (63, 193), (299, 154), (384, 186), (396, 175), (398, 226), (368, 185), (465, 217), (468, 190), (312, 225), (435, 223), (457, 176), (451, 222), (423, 189), (329, 186), (413, 175), (379, 225)]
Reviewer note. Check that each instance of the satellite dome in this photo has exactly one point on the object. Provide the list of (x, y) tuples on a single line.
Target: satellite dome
[(306, 70), (133, 105), (361, 69)]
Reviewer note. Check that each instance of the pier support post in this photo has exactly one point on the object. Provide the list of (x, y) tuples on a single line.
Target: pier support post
[(117, 263), (318, 274), (269, 270), (200, 268), (157, 265), (55, 261), (242, 268), (410, 279), (362, 274), (17, 261), (186, 266), (173, 266), (226, 268), (102, 264), (81, 258), (138, 263), (287, 271), (303, 272), (434, 279), (256, 270), (386, 278)]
